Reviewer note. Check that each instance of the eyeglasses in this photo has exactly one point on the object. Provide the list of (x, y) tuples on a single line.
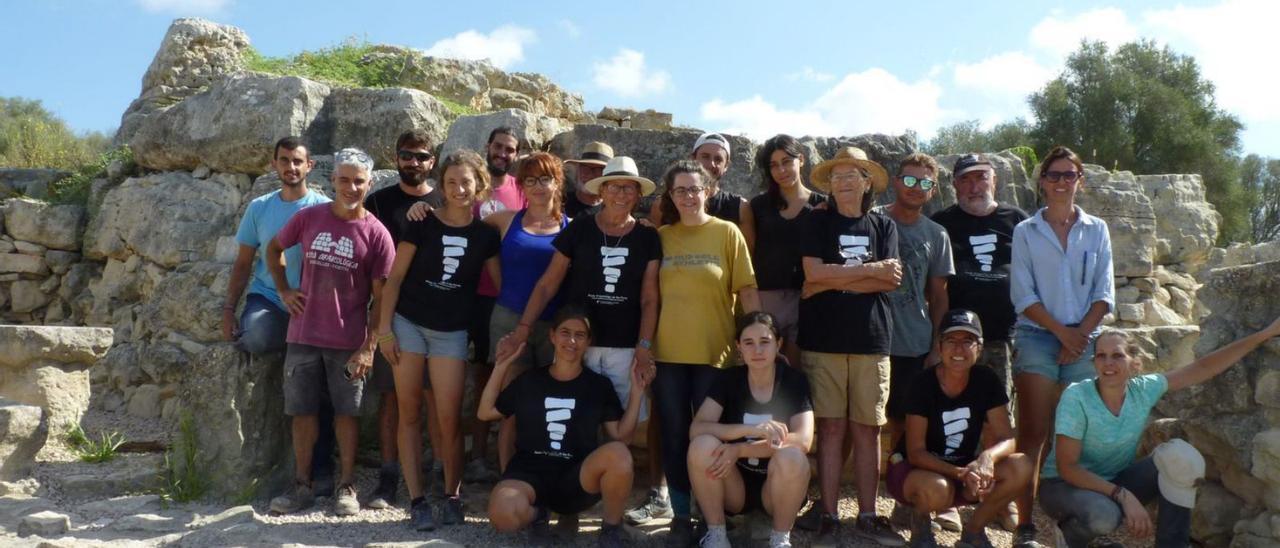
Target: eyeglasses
[(539, 181), (406, 155), (847, 177), (1055, 176), (683, 191), (629, 190), (925, 184)]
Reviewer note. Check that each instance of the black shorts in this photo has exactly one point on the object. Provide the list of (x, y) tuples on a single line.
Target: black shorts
[(753, 484), (478, 332), (902, 369), (559, 490)]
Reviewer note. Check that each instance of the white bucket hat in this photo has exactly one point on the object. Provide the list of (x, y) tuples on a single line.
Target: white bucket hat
[(1179, 467), (621, 168)]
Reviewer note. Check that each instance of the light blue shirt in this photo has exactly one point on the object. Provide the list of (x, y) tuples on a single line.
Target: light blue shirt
[(264, 217), (1066, 281), (1108, 443)]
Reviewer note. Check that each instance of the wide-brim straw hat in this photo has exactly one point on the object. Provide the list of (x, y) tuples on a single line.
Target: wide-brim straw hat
[(595, 153), (621, 168), (854, 156)]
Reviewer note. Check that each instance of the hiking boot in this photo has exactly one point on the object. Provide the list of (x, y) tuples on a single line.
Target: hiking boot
[(975, 540), (655, 506), (345, 502), (384, 496), (878, 530), (715, 538), (811, 520), (1025, 537), (420, 516), (828, 531), (451, 512), (611, 537), (477, 471), (922, 531), (540, 530), (948, 519), (681, 533), (902, 514), (301, 498)]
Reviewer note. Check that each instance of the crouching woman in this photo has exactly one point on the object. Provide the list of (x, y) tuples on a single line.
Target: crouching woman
[(559, 464)]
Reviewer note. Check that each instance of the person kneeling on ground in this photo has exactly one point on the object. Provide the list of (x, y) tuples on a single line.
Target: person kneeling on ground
[(559, 464), (947, 407), (750, 437)]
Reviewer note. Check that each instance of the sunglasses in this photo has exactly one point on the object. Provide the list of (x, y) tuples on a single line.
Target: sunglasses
[(911, 182), (1068, 176), (406, 155)]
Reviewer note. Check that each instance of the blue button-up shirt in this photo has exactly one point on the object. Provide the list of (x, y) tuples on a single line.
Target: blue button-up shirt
[(1066, 281)]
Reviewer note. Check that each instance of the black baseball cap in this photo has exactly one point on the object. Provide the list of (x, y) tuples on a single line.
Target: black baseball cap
[(959, 319), (970, 162)]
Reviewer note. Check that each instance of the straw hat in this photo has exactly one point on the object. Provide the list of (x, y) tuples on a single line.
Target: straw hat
[(849, 156), (595, 153), (621, 168)]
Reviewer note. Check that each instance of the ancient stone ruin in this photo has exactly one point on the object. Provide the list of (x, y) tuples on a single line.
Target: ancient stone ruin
[(115, 306)]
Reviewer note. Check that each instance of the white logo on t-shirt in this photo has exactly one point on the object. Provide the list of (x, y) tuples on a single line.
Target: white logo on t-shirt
[(612, 260), (343, 247), (558, 411), (454, 248), (854, 249), (954, 424), (983, 247)]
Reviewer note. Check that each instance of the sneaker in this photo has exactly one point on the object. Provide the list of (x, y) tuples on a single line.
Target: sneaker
[(540, 530), (948, 519), (901, 517), (567, 524), (384, 496), (1025, 537), (345, 502), (681, 533), (301, 498), (976, 540), (1059, 539), (656, 506), (451, 512), (779, 540), (811, 520), (922, 531), (828, 531), (878, 530), (715, 538), (421, 518), (610, 537), (477, 471)]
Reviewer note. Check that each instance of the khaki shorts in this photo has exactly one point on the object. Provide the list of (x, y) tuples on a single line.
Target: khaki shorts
[(849, 386)]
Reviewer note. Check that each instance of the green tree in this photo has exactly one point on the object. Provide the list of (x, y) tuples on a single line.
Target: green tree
[(32, 137), (1146, 109), (968, 136), (1261, 179)]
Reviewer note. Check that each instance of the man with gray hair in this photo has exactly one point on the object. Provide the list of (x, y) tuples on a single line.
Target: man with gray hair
[(347, 256)]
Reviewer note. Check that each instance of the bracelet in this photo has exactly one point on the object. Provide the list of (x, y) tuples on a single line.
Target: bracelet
[(387, 338), (524, 325)]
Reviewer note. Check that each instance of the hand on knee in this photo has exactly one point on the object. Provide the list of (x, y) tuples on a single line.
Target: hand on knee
[(702, 450)]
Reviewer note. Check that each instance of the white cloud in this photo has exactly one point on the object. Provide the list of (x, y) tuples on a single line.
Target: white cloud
[(1227, 40), (1010, 75), (627, 75), (569, 28), (185, 7), (808, 74), (1061, 34), (503, 47), (872, 101)]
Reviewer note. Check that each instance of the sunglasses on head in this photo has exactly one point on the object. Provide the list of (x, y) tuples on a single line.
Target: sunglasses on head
[(925, 184), (406, 155)]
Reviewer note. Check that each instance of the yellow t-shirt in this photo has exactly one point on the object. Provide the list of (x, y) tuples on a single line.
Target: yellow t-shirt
[(703, 267)]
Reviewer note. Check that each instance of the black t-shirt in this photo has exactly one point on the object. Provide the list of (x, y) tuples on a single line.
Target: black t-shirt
[(391, 205), (574, 208), (558, 422), (776, 257), (733, 392), (955, 424), (725, 205), (606, 276), (982, 249), (439, 290), (844, 322)]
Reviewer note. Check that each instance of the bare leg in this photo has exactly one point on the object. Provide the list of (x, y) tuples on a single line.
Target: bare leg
[(511, 505), (409, 387), (1013, 474), (305, 432), (866, 464), (831, 433), (348, 434), (388, 416), (786, 486), (447, 381), (1037, 400), (928, 491), (609, 471), (480, 429), (714, 495)]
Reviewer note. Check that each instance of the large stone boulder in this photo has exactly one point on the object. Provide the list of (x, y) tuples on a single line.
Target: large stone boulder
[(372, 119), (193, 55), (48, 367), (22, 433), (52, 226), (232, 126), (33, 183), (1186, 224), (167, 218), (1119, 200), (187, 302), (473, 131)]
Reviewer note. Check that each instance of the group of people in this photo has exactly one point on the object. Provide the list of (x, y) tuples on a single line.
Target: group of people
[(759, 329)]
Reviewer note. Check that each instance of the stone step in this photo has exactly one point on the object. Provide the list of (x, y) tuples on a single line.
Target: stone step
[(127, 474)]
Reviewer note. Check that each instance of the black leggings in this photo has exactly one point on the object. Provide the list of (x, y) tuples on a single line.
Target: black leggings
[(678, 391)]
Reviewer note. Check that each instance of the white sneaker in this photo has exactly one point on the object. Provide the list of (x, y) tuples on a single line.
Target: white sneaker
[(715, 538), (1059, 540)]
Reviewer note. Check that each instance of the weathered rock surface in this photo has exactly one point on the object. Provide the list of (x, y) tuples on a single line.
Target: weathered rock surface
[(31, 182), (46, 523), (371, 119), (22, 435), (1119, 200), (166, 218), (52, 226), (1186, 224), (473, 131), (48, 367)]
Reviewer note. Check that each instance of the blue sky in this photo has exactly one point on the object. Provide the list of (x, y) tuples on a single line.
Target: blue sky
[(828, 68)]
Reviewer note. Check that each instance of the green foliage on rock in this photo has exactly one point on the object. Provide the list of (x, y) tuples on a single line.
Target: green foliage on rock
[(75, 189), (1146, 109), (348, 64), (103, 449), (968, 136), (1261, 179), (184, 476), (33, 137)]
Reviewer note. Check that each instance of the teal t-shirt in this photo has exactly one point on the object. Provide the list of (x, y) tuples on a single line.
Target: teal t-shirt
[(264, 217), (1109, 443)]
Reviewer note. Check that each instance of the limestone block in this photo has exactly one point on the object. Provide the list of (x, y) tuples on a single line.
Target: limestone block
[(48, 367), (145, 402), (372, 119), (45, 524), (1158, 314), (28, 248), (52, 226), (165, 218), (23, 264), (473, 131), (23, 430)]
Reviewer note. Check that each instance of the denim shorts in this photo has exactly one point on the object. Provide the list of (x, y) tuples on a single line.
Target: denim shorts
[(414, 338), (1036, 350)]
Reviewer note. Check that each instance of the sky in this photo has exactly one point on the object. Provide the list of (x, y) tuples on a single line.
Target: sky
[(755, 68)]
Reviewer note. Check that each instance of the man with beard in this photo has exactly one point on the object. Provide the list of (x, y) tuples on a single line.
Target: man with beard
[(414, 159), (501, 154)]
